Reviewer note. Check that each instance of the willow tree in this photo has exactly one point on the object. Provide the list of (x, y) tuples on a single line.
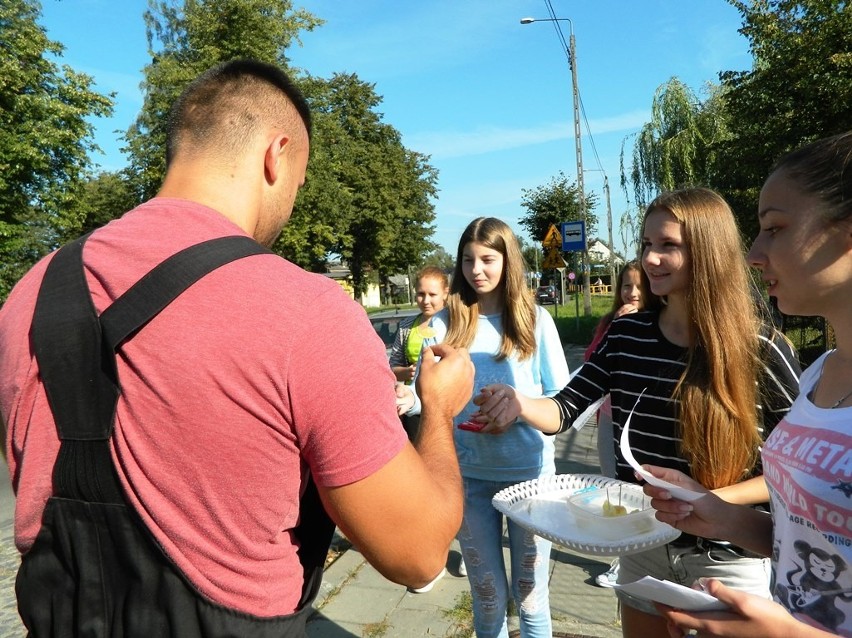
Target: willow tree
[(628, 228), (676, 148)]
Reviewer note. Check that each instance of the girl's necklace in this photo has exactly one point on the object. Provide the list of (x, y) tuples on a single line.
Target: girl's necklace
[(816, 387), (842, 399)]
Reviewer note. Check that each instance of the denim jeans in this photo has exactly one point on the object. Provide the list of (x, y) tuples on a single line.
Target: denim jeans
[(481, 542)]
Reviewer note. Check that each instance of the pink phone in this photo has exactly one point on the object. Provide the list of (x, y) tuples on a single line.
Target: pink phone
[(471, 426)]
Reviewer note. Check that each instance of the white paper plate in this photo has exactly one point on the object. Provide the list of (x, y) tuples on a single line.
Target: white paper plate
[(541, 506)]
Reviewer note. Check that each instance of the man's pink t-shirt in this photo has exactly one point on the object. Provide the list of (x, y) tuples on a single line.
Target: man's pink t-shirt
[(257, 373)]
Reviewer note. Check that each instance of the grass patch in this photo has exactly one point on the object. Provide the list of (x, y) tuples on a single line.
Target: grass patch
[(461, 615), (336, 590), (578, 329), (376, 629)]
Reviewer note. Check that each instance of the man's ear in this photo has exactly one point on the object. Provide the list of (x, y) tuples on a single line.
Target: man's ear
[(274, 156)]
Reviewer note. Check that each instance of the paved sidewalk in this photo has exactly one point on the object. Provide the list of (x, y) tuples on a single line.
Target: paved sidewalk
[(356, 601)]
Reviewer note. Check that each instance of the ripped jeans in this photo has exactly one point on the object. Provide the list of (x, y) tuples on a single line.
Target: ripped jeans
[(481, 542)]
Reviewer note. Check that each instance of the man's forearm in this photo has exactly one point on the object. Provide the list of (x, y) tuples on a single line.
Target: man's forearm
[(437, 449)]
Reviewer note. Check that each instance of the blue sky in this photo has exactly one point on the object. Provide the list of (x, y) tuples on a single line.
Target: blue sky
[(487, 98)]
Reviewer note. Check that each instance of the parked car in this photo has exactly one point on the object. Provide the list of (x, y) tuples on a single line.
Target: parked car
[(387, 325), (548, 294)]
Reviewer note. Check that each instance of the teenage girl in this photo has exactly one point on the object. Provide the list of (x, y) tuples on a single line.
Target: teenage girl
[(431, 289), (711, 383), (492, 313), (627, 300), (804, 250)]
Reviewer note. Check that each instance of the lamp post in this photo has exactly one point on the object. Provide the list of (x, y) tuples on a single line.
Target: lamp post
[(578, 146)]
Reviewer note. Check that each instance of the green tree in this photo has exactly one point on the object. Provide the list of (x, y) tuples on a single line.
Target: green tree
[(554, 203), (367, 198), (45, 139), (798, 89), (440, 258), (186, 37), (102, 198), (533, 254)]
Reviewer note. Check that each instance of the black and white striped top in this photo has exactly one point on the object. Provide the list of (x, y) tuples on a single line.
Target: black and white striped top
[(636, 357)]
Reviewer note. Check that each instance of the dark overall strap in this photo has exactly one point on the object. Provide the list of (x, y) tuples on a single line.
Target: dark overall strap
[(75, 350)]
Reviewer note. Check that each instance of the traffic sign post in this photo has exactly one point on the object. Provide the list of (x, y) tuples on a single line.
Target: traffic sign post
[(553, 239), (573, 236), (572, 277), (551, 244)]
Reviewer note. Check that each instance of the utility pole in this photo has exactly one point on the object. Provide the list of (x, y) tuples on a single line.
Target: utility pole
[(612, 281), (578, 146)]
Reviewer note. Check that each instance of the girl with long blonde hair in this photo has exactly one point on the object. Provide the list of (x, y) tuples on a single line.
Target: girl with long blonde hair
[(709, 379), (491, 312)]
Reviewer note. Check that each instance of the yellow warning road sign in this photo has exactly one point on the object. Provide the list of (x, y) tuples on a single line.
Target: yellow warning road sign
[(553, 239), (553, 259)]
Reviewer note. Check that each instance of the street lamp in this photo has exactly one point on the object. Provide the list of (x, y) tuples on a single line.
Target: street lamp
[(572, 61)]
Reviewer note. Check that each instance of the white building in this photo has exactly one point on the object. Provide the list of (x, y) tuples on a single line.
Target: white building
[(599, 253)]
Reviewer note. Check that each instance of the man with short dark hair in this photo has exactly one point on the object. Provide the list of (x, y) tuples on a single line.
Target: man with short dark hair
[(179, 401)]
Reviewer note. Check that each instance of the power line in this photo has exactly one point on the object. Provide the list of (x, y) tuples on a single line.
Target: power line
[(566, 50)]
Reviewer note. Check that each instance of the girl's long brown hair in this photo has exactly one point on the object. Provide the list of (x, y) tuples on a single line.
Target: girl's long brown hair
[(518, 316), (717, 392)]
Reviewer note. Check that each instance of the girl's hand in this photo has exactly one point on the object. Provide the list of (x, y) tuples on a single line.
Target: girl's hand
[(498, 405), (626, 309), (404, 398), (696, 517), (409, 372), (749, 616)]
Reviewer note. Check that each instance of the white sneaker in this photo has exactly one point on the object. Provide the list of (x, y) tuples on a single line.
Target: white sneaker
[(609, 577), (462, 567), (428, 586)]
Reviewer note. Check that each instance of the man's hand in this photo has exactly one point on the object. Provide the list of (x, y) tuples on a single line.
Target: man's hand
[(749, 616), (446, 385)]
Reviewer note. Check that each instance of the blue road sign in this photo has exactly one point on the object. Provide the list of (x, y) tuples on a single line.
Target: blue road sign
[(573, 236)]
